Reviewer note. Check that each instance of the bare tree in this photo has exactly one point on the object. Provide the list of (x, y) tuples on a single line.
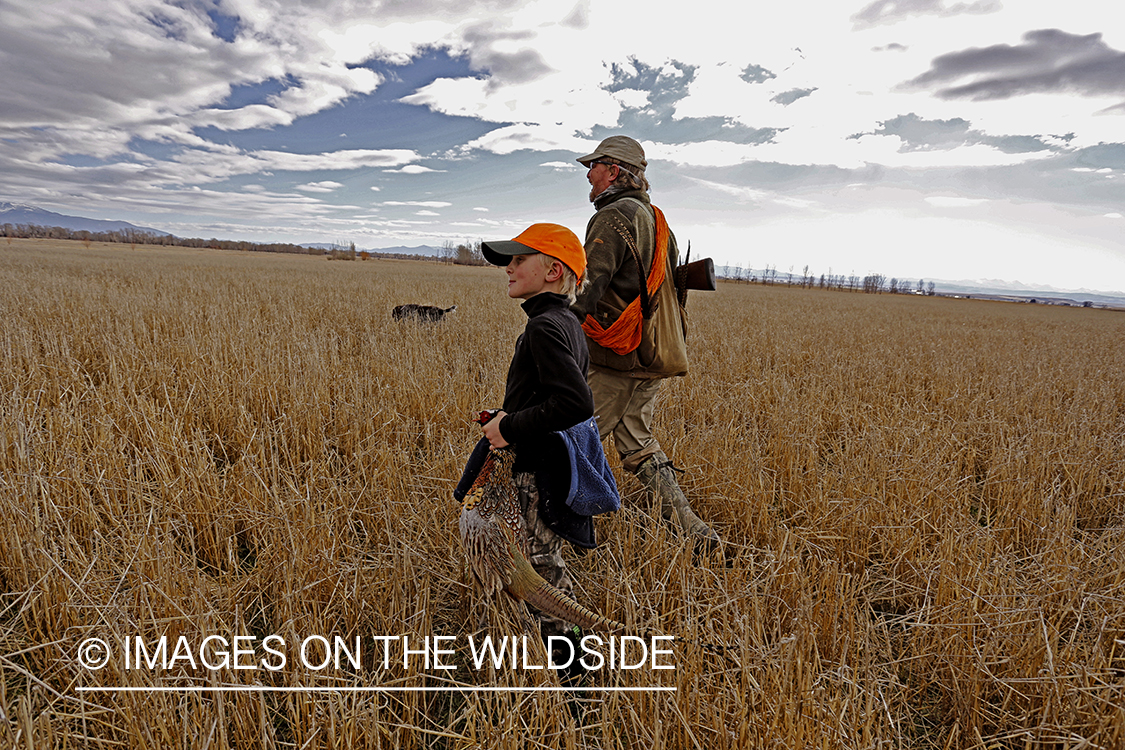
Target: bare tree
[(448, 253), (873, 283), (469, 254)]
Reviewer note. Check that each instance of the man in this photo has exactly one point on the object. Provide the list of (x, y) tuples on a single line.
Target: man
[(633, 320)]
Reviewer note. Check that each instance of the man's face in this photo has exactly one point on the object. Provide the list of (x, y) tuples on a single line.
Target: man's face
[(601, 176)]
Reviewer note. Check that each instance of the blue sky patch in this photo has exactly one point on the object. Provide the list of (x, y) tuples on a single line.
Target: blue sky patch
[(374, 121), (256, 93), (155, 149), (756, 74), (225, 27), (656, 121)]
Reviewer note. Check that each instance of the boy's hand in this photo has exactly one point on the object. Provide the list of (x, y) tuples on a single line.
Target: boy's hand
[(491, 430)]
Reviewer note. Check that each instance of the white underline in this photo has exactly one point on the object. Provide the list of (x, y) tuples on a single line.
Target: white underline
[(267, 689)]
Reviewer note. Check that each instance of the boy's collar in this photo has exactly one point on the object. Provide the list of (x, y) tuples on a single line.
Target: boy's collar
[(540, 302)]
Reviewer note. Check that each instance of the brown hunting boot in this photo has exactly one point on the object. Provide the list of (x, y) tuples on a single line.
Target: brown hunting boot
[(658, 476)]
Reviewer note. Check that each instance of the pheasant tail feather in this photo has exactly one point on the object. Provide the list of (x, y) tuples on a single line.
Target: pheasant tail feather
[(531, 587)]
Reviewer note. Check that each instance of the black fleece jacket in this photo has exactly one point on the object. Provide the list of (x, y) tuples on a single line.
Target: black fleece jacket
[(546, 390)]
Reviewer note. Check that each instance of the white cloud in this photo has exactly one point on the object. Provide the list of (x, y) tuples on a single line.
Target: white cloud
[(948, 201), (514, 138), (634, 98), (324, 89), (320, 187), (395, 42), (156, 69), (244, 118), (413, 169), (486, 224), (209, 166), (740, 193), (423, 204), (340, 160)]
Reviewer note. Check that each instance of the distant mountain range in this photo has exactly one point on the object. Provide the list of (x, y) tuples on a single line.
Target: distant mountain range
[(14, 213), (999, 289)]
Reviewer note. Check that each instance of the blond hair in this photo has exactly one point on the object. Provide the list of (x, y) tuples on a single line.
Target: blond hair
[(570, 286)]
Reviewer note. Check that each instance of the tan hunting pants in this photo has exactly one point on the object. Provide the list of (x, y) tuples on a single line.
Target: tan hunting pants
[(623, 407)]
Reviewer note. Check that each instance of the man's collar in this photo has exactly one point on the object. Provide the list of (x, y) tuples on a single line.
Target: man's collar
[(613, 192)]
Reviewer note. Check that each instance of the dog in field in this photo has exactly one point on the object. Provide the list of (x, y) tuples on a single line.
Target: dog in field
[(427, 313)]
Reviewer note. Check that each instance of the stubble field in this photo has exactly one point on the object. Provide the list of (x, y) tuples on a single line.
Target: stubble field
[(923, 502)]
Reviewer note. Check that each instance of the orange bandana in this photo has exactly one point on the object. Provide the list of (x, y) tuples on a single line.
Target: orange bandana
[(624, 335)]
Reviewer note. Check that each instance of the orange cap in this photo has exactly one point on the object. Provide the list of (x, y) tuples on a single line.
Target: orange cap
[(550, 239)]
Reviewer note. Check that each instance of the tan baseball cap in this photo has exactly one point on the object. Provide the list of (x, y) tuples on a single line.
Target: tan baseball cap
[(619, 147)]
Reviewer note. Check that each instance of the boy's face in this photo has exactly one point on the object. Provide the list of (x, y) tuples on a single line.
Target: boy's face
[(528, 275)]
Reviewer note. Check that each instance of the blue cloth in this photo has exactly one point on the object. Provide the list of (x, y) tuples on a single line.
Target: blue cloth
[(584, 480), (593, 489)]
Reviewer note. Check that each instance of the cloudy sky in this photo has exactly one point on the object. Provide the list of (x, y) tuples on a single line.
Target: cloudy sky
[(949, 139)]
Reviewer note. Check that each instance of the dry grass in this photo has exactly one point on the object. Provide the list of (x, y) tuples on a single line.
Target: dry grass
[(923, 498)]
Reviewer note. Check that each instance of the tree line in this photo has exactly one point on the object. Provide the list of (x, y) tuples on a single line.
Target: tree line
[(140, 237), (467, 253), (873, 283)]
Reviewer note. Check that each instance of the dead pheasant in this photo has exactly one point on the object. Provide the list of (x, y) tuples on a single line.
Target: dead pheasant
[(495, 542)]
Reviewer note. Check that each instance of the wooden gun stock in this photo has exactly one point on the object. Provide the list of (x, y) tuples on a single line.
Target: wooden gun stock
[(699, 275)]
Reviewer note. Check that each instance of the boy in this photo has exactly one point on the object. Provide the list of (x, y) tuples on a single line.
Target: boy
[(546, 391)]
